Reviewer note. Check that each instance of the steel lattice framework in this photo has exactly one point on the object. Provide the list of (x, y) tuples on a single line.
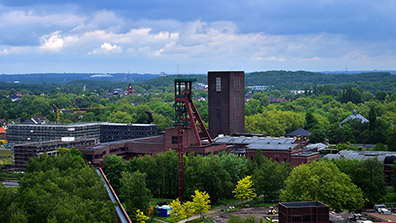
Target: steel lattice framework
[(187, 117)]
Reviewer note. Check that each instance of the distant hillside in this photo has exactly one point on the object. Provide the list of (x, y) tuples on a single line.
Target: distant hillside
[(285, 80), (66, 77), (281, 80), (166, 81)]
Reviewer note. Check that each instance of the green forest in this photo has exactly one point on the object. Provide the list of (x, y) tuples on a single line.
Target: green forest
[(320, 109), (57, 189)]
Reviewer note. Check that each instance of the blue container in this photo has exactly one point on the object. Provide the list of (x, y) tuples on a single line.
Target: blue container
[(163, 211)]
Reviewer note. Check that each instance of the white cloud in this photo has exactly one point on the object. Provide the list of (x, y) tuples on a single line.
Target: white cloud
[(170, 41), (4, 51), (106, 48), (55, 42)]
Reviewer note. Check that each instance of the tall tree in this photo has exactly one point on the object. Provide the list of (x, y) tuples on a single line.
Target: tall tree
[(269, 177), (113, 166), (133, 191), (368, 175), (323, 181)]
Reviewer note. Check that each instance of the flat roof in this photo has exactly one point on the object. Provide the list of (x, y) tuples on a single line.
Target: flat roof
[(81, 124), (303, 204), (59, 125), (126, 124), (101, 145), (54, 142)]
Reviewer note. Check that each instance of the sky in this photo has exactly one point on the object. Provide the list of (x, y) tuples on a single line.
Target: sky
[(153, 36)]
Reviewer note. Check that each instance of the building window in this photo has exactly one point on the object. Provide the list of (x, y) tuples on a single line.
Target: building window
[(174, 139), (218, 84)]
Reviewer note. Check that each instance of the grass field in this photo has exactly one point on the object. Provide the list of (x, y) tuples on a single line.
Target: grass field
[(5, 156)]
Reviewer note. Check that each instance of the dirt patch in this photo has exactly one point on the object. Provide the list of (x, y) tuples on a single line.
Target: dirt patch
[(257, 212), (382, 217)]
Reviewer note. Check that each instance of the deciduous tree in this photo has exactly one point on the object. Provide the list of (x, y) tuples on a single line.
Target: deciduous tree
[(244, 189), (323, 181), (178, 211), (200, 202), (133, 191)]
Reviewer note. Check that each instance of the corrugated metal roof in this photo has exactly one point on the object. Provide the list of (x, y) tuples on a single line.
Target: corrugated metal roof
[(253, 140), (361, 155), (305, 154), (271, 146)]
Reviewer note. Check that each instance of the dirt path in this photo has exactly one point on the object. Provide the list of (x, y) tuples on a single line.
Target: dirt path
[(210, 213)]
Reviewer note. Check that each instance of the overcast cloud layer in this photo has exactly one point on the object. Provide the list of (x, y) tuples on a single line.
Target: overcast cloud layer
[(154, 36)]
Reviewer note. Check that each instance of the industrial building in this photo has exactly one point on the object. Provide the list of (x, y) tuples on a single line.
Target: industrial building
[(303, 212), (110, 132), (226, 97), (279, 149), (103, 132), (23, 152), (24, 133), (127, 149), (386, 158)]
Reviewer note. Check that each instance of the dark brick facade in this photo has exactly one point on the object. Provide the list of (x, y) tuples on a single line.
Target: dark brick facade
[(226, 102), (111, 132), (303, 212)]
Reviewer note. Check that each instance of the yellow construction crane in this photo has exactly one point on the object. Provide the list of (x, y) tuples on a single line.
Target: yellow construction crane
[(58, 110)]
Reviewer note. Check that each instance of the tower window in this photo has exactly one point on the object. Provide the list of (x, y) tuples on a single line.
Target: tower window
[(218, 83)]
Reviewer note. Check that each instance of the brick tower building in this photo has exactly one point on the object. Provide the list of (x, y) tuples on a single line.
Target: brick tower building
[(226, 102)]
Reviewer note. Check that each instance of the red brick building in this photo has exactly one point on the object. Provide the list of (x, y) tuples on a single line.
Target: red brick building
[(226, 102), (282, 149)]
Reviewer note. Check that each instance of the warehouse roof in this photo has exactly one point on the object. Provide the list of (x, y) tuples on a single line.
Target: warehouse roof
[(271, 146), (222, 139), (361, 155), (305, 154)]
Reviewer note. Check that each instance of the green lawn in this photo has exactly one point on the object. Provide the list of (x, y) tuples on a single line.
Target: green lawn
[(5, 156)]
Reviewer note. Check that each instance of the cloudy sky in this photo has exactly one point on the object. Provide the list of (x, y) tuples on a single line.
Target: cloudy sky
[(154, 36)]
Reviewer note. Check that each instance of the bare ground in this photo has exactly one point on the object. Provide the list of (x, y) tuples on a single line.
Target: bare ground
[(257, 212)]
